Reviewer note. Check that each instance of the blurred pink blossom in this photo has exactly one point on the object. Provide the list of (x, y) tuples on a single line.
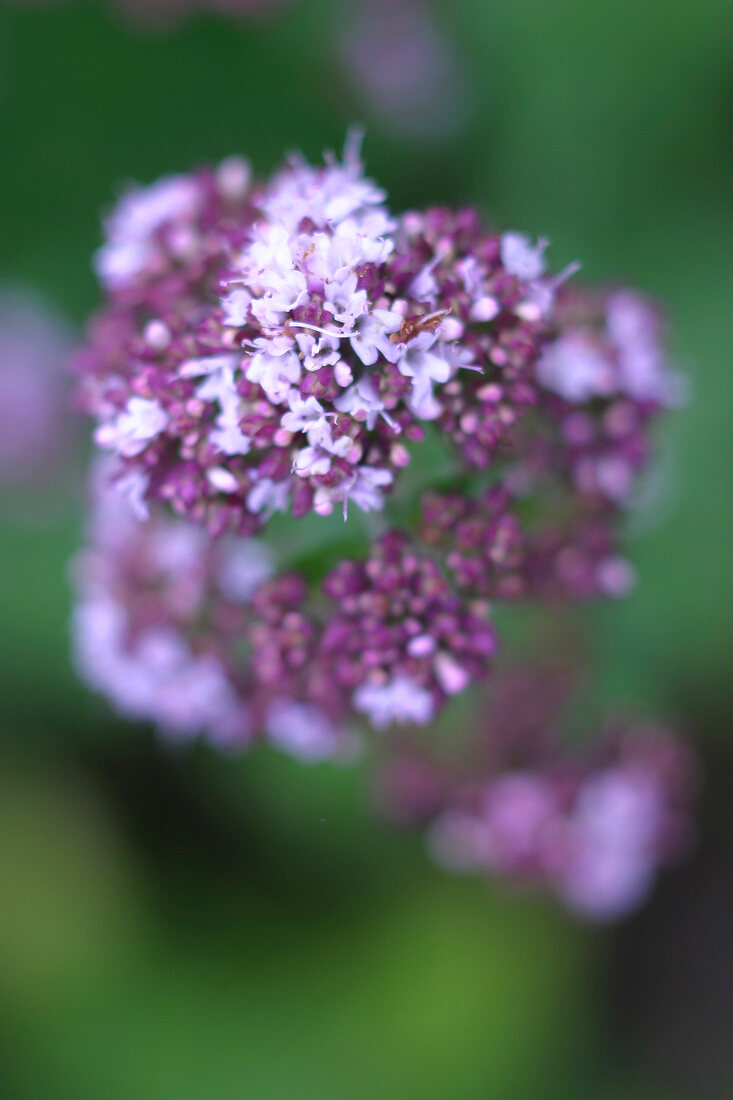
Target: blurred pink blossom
[(402, 65), (35, 416)]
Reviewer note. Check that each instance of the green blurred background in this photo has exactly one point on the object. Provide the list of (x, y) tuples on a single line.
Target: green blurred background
[(177, 924)]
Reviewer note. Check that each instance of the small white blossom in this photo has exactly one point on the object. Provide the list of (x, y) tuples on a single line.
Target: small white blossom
[(208, 364), (233, 177), (130, 230), (311, 462), (362, 397), (484, 309), (269, 496), (307, 415), (274, 368), (133, 486), (363, 487), (345, 302), (424, 367), (424, 286), (236, 307), (131, 430), (371, 338), (402, 700), (302, 729), (521, 258), (245, 564), (576, 368)]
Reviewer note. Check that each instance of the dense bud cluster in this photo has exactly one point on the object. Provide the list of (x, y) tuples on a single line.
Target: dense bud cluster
[(492, 550), (400, 636)]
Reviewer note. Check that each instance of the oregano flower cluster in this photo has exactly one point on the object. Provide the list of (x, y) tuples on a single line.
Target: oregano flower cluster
[(290, 348)]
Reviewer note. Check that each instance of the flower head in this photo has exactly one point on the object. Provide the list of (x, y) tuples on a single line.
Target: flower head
[(298, 335)]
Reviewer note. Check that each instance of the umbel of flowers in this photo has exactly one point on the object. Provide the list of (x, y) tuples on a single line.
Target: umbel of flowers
[(292, 346)]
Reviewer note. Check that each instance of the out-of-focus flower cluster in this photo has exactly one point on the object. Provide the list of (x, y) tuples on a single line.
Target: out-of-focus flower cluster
[(293, 346), (35, 408), (590, 824), (399, 60)]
